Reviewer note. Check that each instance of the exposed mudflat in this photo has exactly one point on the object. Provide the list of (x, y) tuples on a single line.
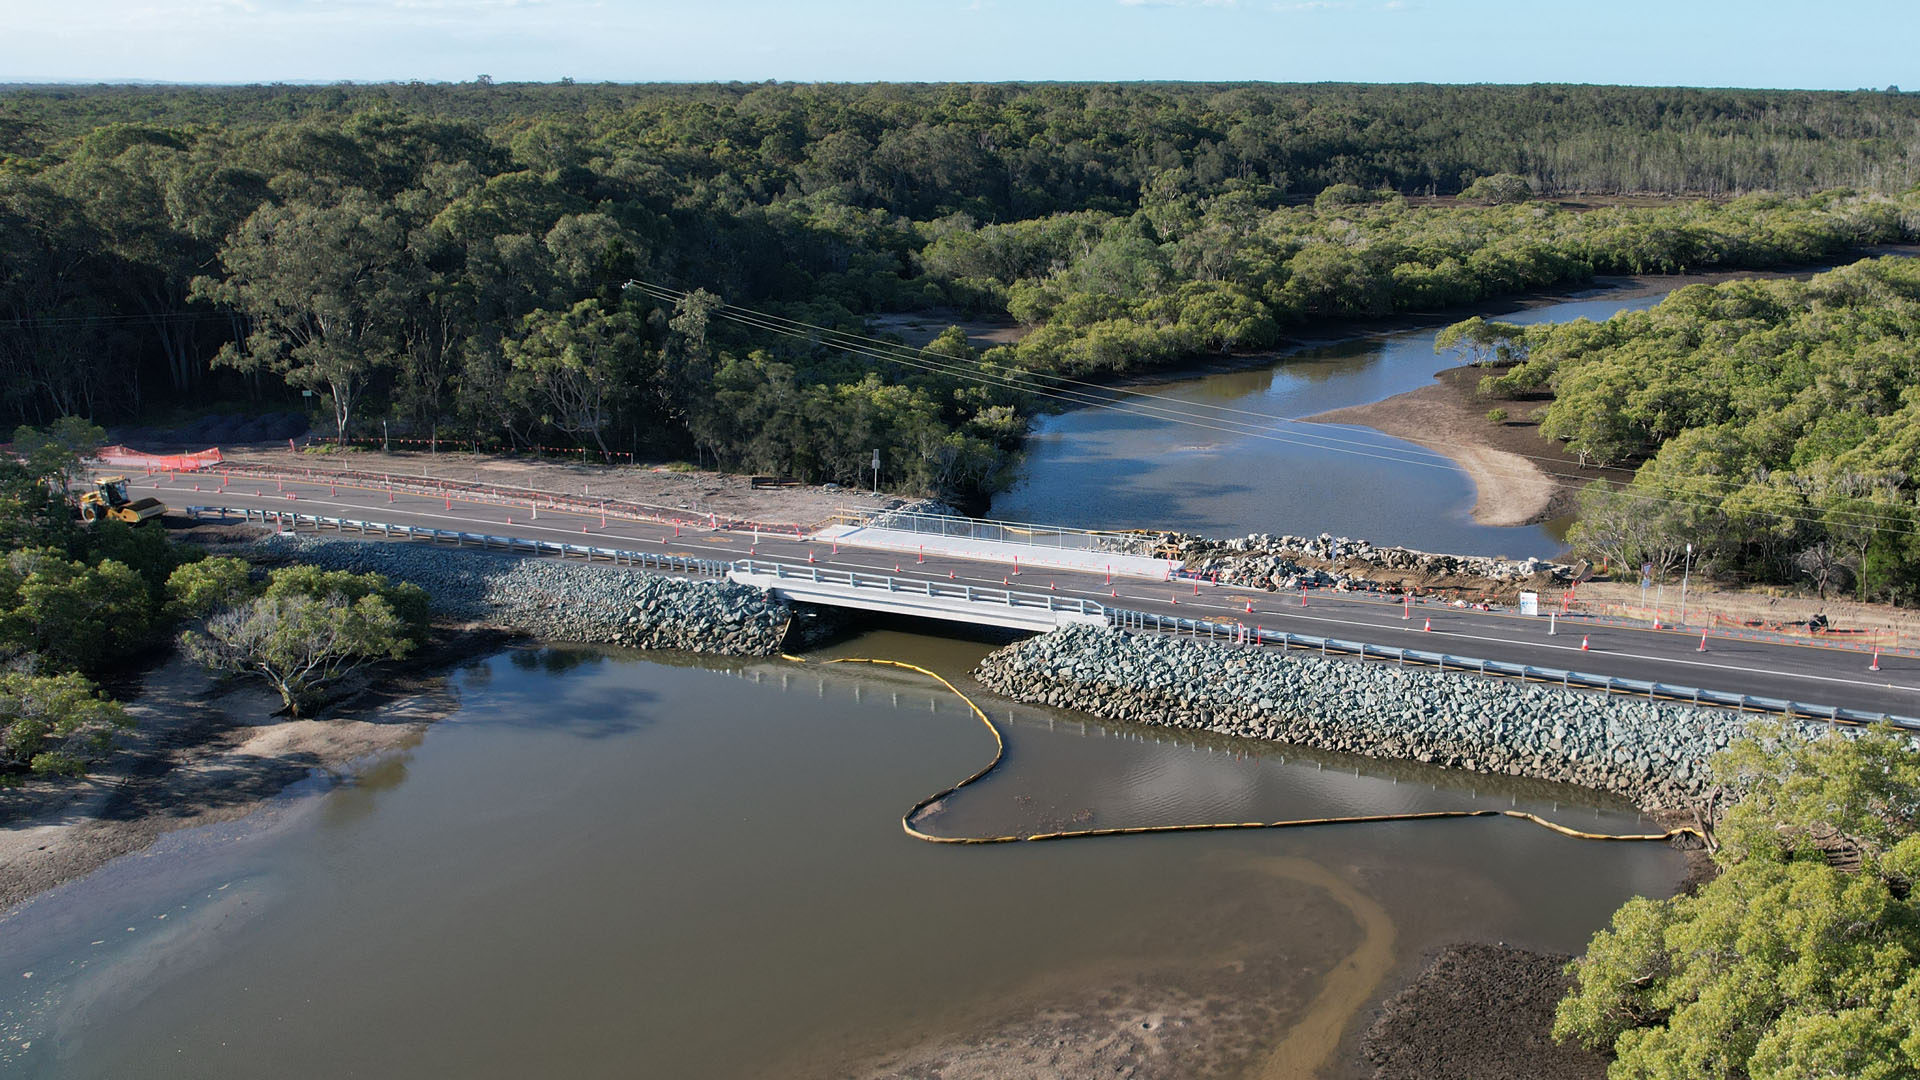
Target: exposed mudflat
[(205, 752), (1479, 1012)]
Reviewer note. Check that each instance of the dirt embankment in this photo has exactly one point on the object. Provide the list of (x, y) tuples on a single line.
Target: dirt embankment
[(673, 487)]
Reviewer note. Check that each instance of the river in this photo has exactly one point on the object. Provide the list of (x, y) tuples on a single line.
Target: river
[(1121, 467), (618, 865)]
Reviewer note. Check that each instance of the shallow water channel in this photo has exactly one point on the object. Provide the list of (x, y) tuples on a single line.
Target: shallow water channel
[(667, 866), (1124, 468)]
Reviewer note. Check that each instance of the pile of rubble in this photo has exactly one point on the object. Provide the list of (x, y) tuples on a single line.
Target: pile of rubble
[(1337, 562)]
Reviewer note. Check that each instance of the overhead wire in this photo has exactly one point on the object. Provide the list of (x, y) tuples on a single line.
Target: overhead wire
[(1423, 458), (1159, 407)]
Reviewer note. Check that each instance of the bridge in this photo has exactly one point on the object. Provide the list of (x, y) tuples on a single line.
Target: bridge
[(1035, 578), (916, 559)]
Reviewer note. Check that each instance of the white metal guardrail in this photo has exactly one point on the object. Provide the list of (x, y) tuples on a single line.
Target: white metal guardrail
[(919, 596), (777, 573), (681, 564), (1073, 609), (985, 530), (1249, 635)]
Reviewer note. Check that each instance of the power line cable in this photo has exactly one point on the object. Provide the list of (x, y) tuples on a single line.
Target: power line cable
[(1174, 411)]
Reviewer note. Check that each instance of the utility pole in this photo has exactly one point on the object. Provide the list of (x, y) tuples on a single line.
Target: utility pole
[(876, 471)]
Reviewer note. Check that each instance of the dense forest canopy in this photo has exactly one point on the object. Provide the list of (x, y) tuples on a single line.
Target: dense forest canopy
[(450, 260), (1018, 150), (1775, 426)]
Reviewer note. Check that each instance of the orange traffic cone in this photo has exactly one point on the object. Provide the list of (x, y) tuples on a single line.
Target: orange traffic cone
[(1583, 644), (1429, 626), (1249, 607), (809, 556)]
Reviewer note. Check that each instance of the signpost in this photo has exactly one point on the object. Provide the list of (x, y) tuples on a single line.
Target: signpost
[(1684, 573)]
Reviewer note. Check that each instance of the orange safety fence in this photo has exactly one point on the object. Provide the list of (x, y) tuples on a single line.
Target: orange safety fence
[(131, 458), (1697, 618)]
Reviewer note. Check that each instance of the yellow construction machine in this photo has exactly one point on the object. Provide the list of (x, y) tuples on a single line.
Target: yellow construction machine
[(109, 500)]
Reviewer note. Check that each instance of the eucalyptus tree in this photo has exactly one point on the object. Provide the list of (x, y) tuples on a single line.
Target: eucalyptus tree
[(571, 367), (324, 286)]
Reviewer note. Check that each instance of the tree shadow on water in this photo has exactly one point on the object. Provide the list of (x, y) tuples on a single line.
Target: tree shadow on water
[(529, 698)]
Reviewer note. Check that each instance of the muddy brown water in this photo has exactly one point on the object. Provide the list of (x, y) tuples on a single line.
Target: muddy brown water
[(1242, 468), (615, 864)]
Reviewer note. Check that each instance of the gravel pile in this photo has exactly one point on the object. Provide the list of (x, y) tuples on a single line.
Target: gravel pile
[(1653, 753), (564, 601)]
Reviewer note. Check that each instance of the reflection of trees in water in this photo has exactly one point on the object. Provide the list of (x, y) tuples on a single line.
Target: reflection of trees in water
[(555, 660)]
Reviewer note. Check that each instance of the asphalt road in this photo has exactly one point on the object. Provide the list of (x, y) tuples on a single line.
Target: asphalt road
[(1806, 673)]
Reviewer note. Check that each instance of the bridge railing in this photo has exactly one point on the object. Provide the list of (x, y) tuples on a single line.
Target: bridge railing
[(1234, 632), (971, 594), (1226, 632), (1002, 532), (936, 590)]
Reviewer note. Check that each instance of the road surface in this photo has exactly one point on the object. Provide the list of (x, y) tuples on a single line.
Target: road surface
[(1807, 673)]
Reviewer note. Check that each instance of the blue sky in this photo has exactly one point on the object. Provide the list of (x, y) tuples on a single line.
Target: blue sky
[(1841, 44)]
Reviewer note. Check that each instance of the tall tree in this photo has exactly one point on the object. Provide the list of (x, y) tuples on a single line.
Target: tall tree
[(325, 287), (569, 366)]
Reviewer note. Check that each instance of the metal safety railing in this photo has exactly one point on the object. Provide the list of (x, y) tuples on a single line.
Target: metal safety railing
[(999, 532), (475, 491), (1123, 618), (1240, 633), (289, 519), (936, 590), (683, 564)]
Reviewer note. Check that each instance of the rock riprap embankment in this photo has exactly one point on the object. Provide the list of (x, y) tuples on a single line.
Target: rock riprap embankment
[(1653, 753), (564, 601), (1325, 561)]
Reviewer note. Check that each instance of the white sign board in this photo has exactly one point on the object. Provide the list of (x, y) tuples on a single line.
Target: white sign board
[(1529, 603)]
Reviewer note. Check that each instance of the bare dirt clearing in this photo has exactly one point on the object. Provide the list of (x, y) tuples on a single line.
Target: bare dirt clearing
[(673, 487)]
